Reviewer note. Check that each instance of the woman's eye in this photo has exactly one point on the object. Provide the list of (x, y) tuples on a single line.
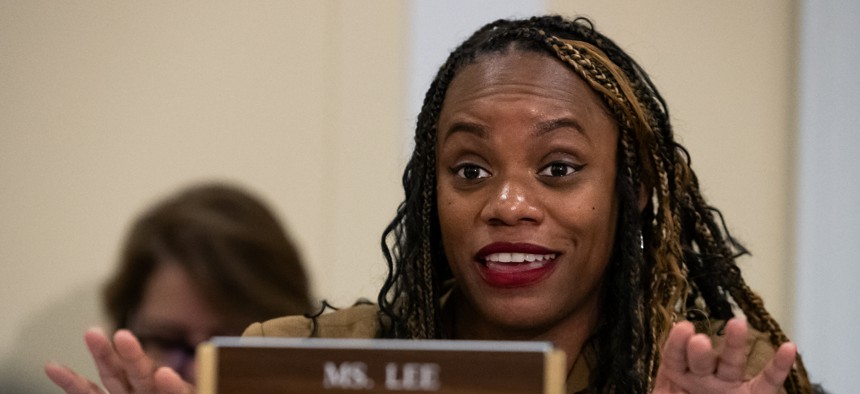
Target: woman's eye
[(470, 171), (559, 169)]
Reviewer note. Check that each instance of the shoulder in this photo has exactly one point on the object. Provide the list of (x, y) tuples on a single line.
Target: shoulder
[(357, 321)]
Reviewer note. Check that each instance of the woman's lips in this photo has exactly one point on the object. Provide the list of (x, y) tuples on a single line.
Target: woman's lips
[(503, 264)]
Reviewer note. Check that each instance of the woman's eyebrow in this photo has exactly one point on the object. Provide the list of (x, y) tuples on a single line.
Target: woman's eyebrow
[(541, 128), (465, 127), (547, 126)]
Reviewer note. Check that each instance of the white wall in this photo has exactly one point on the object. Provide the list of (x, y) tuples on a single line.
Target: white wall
[(828, 186)]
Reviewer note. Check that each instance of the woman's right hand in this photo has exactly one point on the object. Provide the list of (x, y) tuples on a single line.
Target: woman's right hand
[(123, 368)]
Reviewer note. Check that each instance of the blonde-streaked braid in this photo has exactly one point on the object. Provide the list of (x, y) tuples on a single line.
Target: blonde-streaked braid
[(668, 283)]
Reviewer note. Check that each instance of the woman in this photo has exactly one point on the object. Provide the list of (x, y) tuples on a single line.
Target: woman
[(541, 137), (209, 260), (546, 199)]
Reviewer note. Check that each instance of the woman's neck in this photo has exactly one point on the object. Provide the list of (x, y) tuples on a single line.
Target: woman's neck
[(569, 334)]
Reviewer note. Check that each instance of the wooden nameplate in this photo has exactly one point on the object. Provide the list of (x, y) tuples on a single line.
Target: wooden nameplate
[(312, 365)]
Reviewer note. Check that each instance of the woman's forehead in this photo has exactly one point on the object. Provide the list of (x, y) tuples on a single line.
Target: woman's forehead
[(496, 76), (496, 66)]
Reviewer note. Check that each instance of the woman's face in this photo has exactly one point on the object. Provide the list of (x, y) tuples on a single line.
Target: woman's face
[(526, 193), (173, 318)]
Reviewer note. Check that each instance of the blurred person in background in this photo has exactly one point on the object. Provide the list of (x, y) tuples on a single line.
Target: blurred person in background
[(208, 260)]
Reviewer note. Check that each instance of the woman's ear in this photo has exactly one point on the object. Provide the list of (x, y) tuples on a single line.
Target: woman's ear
[(644, 196)]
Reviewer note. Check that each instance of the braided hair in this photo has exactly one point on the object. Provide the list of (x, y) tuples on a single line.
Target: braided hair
[(673, 260)]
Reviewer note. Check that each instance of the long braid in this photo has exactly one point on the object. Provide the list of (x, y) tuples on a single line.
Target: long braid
[(673, 260), (643, 368), (748, 301), (412, 306)]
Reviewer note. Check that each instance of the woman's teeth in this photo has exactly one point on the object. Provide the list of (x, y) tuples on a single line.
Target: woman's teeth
[(518, 257)]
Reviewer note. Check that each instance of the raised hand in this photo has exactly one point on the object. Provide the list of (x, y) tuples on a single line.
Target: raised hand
[(690, 364), (123, 369)]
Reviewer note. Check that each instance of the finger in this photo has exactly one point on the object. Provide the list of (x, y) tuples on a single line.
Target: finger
[(674, 357), (733, 359), (108, 363), (675, 350), (69, 380), (701, 358), (139, 368), (773, 375), (169, 382)]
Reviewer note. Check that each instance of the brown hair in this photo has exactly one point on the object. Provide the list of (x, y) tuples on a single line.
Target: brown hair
[(231, 245)]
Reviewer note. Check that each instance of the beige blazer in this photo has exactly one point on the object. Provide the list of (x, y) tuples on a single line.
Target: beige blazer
[(362, 321)]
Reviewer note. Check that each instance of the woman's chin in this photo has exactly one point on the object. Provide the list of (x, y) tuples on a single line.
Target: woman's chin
[(523, 320)]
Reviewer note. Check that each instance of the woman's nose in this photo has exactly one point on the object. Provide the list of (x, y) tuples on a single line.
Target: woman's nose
[(513, 201)]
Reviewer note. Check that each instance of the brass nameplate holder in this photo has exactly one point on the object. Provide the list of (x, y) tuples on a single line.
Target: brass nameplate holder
[(310, 365)]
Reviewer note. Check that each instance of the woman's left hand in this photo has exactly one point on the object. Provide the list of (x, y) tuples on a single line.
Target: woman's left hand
[(690, 364), (123, 367)]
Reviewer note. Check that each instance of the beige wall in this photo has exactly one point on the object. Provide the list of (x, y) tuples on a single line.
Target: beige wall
[(107, 106), (726, 70), (104, 107)]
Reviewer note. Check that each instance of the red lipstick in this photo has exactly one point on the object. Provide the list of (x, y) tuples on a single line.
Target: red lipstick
[(508, 265)]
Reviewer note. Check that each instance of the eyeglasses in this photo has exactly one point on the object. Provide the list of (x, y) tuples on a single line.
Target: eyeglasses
[(165, 345), (175, 353)]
